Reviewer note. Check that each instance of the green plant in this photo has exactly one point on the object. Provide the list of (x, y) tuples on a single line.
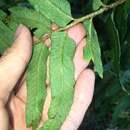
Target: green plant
[(38, 16)]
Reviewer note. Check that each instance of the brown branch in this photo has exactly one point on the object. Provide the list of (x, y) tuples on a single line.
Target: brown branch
[(93, 14), (89, 16)]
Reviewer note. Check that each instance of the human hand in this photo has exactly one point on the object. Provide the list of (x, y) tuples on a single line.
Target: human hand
[(12, 67)]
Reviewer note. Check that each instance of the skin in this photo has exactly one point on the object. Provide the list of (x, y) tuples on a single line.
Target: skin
[(12, 77)]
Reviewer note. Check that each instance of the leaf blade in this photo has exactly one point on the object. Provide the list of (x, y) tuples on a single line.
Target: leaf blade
[(32, 19), (57, 11), (121, 22), (6, 36), (2, 15), (61, 80), (92, 48), (114, 40), (36, 86)]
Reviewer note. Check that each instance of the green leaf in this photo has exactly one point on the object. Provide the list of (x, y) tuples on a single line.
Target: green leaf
[(36, 85), (61, 80), (125, 80), (121, 22), (6, 37), (122, 106), (113, 89), (92, 48), (13, 25), (113, 36), (127, 5), (125, 45), (31, 19), (128, 127), (125, 49), (58, 11), (96, 4), (2, 15), (93, 5)]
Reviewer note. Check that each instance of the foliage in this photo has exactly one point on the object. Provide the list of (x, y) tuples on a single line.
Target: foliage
[(109, 30), (36, 80), (92, 49), (61, 70)]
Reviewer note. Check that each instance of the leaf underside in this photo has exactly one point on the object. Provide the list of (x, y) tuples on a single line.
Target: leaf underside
[(2, 15), (61, 80), (6, 37), (36, 85), (96, 4), (32, 19), (92, 48), (58, 11)]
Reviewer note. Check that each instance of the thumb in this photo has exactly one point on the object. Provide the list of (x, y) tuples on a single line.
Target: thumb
[(14, 61)]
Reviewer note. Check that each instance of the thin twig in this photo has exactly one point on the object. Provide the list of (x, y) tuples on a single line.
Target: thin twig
[(91, 15), (88, 16)]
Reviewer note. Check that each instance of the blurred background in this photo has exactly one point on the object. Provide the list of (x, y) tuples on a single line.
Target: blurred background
[(110, 109)]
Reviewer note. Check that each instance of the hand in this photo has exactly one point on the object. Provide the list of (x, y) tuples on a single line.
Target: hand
[(13, 84)]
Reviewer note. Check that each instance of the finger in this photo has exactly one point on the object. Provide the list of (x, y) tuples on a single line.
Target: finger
[(77, 33), (17, 108), (79, 61), (82, 99), (14, 61), (3, 118), (22, 93)]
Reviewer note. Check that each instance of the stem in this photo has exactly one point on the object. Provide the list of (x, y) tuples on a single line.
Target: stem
[(91, 15), (82, 19)]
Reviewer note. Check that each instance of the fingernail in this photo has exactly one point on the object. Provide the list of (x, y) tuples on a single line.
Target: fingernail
[(19, 30)]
